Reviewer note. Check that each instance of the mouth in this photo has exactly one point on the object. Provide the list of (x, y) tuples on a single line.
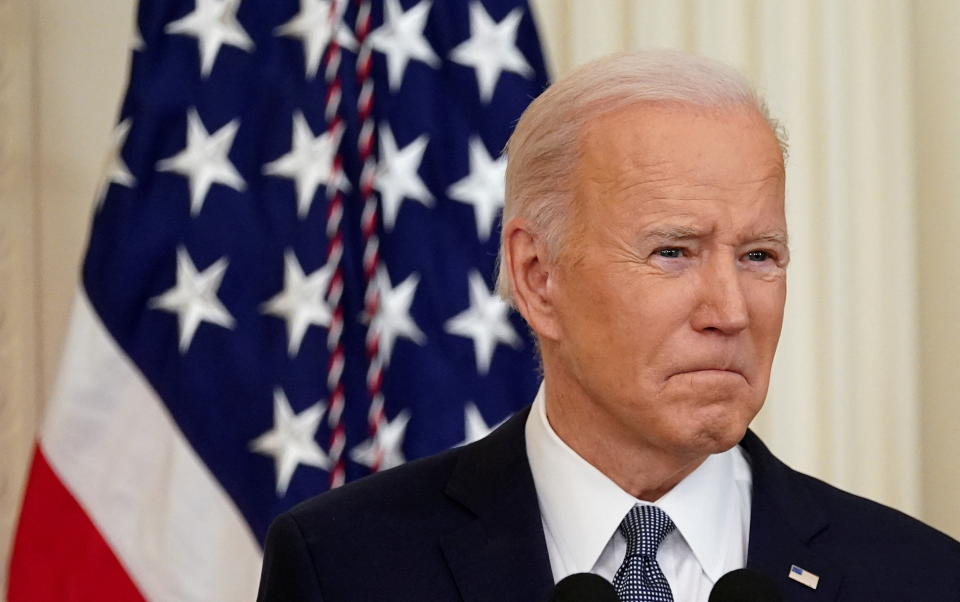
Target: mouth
[(711, 372)]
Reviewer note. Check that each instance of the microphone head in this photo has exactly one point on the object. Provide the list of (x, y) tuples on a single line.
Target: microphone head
[(583, 587), (745, 585)]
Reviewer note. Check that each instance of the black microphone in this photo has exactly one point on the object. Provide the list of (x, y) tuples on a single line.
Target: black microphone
[(583, 587), (745, 585)]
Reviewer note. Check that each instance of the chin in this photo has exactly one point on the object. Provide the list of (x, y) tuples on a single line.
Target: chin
[(719, 430), (718, 440)]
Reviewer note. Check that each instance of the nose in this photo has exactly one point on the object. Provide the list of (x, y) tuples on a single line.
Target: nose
[(722, 306)]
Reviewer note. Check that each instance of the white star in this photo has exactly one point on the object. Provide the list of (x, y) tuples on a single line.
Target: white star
[(315, 26), (483, 187), (491, 49), (301, 302), (310, 163), (292, 440), (194, 297), (116, 171), (485, 321), (474, 426), (401, 39), (204, 160), (214, 23), (384, 450), (396, 177), (393, 317)]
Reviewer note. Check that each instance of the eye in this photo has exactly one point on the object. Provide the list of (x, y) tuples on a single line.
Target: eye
[(758, 256), (669, 253)]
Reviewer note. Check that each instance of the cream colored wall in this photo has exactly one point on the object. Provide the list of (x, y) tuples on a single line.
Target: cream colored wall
[(62, 72), (19, 337), (81, 64), (864, 370), (936, 80)]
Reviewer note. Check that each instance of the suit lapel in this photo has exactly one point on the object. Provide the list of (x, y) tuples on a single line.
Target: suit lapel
[(501, 554), (784, 521)]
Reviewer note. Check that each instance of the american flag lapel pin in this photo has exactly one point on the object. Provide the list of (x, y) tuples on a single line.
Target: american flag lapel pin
[(803, 576)]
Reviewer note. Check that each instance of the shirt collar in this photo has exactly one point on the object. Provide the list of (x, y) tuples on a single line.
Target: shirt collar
[(583, 508), (704, 508)]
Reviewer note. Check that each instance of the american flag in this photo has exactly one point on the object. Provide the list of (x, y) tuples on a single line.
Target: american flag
[(288, 283)]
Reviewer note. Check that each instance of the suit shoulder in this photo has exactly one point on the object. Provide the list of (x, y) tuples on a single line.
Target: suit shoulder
[(417, 492), (288, 573), (850, 511), (854, 524), (400, 495), (881, 553)]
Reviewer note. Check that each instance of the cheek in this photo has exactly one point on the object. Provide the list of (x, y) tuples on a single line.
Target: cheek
[(766, 309), (623, 322), (648, 323), (662, 304), (648, 308), (766, 318)]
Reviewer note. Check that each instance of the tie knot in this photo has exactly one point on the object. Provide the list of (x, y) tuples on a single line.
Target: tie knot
[(644, 528)]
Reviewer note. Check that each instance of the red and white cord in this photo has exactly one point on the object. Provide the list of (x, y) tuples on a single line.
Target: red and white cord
[(368, 222), (334, 256)]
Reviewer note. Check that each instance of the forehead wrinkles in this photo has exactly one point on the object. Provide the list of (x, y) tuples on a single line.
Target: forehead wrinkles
[(635, 174), (687, 187), (684, 210), (631, 157), (656, 189)]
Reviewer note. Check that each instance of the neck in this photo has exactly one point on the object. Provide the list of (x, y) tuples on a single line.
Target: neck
[(639, 468)]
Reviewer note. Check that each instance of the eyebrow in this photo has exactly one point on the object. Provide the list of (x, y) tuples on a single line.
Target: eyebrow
[(680, 233), (774, 236), (674, 233)]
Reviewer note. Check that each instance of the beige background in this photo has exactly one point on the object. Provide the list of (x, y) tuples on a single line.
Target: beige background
[(865, 387)]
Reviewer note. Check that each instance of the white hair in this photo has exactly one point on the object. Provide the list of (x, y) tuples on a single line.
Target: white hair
[(545, 146)]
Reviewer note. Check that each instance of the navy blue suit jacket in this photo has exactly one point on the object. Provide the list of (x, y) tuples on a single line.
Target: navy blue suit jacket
[(465, 525)]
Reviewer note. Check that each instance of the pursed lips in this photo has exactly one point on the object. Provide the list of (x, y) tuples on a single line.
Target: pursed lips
[(716, 368)]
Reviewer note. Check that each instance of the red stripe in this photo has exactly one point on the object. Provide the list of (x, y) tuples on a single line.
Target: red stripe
[(58, 554)]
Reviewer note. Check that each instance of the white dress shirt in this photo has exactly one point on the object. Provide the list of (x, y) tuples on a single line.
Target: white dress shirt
[(581, 509)]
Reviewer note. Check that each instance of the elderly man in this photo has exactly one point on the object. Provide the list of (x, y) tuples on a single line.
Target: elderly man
[(645, 244)]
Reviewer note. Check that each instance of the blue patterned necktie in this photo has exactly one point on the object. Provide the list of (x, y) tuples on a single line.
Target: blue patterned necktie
[(639, 578)]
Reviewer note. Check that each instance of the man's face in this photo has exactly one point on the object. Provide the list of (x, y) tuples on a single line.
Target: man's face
[(670, 286)]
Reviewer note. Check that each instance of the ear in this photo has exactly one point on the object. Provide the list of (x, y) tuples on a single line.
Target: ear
[(532, 278)]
